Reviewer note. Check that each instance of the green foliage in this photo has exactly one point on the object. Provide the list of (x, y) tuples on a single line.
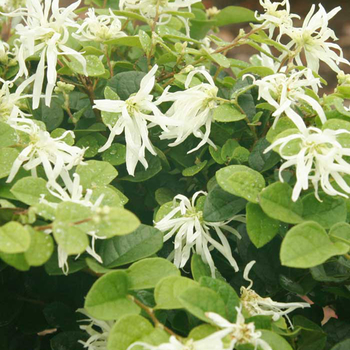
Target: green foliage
[(276, 202), (148, 253), (308, 245), (241, 181), (260, 227), (107, 299)]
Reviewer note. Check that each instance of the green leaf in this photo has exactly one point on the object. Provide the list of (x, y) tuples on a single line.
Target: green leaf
[(216, 154), (276, 201), (226, 292), (202, 331), (40, 249), (115, 155), (112, 197), (8, 135), (241, 181), (261, 71), (147, 273), (308, 245), (344, 345), (7, 157), (143, 242), (18, 260), (260, 227), (91, 144), (283, 124), (70, 238), (142, 174), (344, 90), (94, 66), (107, 298), (234, 14), (340, 232), (168, 290), (96, 267), (199, 268), (260, 161), (145, 41), (326, 212), (14, 238), (220, 205), (71, 212), (164, 195), (220, 59), (68, 139), (75, 265), (227, 113), (29, 190), (116, 222), (228, 149), (134, 328), (52, 116), (131, 41), (199, 300), (274, 340), (96, 173), (195, 169), (126, 83)]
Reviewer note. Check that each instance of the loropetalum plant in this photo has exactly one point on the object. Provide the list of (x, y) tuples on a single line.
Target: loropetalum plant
[(157, 194)]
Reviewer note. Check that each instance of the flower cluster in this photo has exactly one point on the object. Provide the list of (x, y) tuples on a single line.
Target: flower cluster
[(100, 28), (320, 156), (46, 35), (257, 305), (192, 109), (191, 232), (158, 10)]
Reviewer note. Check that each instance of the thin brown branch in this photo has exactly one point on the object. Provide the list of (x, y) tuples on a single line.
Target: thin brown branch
[(150, 313)]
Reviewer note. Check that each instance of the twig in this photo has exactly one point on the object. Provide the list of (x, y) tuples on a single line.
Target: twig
[(150, 313), (49, 227)]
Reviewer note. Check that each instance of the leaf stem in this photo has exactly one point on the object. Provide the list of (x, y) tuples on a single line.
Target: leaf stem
[(150, 312)]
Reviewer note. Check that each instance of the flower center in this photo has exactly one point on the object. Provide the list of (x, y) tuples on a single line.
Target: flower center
[(193, 213), (245, 334), (131, 106)]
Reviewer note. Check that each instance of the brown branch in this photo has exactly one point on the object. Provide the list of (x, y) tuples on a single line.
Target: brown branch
[(48, 227), (150, 313)]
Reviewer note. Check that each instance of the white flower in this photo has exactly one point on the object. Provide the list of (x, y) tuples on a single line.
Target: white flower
[(97, 330), (266, 61), (193, 233), (212, 11), (286, 91), (239, 332), (212, 342), (256, 305), (150, 9), (134, 115), (312, 38), (4, 52), (45, 34), (192, 108), (10, 103), (74, 192), (275, 18), (53, 154), (99, 28), (319, 157)]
